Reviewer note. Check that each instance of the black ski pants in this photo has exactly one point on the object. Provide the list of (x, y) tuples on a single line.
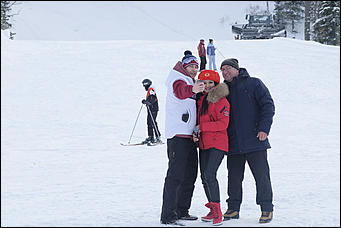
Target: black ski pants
[(210, 161), (150, 125), (259, 167), (202, 63), (181, 175)]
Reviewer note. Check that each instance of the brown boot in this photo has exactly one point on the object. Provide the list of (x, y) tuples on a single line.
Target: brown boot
[(266, 217), (231, 214)]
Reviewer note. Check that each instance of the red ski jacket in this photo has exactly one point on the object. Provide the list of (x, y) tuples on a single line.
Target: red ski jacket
[(213, 124)]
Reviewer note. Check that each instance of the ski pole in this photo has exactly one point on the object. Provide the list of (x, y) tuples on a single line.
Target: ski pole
[(220, 53), (135, 124), (151, 116)]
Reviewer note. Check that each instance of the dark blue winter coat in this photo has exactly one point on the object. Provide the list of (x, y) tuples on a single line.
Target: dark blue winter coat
[(251, 110)]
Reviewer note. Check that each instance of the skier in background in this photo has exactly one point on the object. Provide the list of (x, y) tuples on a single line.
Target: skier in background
[(211, 55), (202, 55), (152, 104)]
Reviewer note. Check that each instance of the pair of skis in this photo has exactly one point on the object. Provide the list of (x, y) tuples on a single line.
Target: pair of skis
[(156, 132), (140, 144)]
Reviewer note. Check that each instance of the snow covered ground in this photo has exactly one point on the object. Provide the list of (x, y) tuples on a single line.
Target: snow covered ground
[(122, 20), (67, 106)]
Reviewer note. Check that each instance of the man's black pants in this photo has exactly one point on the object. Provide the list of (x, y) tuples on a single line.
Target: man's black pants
[(181, 176), (202, 63), (259, 167)]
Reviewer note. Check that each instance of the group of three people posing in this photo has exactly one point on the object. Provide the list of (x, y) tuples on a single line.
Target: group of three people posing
[(232, 118)]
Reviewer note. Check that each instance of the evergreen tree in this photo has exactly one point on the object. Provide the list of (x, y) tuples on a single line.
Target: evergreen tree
[(6, 7), (278, 11), (311, 12), (307, 21), (289, 12), (314, 6), (326, 27)]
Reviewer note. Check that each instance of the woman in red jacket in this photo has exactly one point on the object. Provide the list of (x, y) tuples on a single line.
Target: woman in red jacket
[(213, 118)]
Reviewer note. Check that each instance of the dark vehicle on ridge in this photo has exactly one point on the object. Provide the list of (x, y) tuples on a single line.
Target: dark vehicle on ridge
[(258, 27)]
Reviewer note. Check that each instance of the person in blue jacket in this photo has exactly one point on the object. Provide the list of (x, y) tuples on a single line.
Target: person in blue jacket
[(211, 55), (251, 115)]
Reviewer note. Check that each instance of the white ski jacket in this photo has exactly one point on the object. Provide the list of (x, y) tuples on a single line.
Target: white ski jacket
[(180, 113)]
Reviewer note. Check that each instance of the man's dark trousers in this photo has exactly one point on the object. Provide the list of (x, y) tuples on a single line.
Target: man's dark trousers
[(181, 176), (202, 63), (259, 167)]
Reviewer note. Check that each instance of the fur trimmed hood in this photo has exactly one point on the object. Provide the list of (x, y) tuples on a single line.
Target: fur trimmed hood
[(217, 92)]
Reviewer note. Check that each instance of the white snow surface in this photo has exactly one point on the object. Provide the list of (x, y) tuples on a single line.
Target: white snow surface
[(67, 105), (126, 20)]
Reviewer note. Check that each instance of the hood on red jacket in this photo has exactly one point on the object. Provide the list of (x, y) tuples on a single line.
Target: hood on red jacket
[(178, 67), (217, 92)]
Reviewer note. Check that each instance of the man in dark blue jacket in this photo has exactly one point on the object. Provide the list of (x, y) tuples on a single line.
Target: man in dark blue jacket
[(252, 111)]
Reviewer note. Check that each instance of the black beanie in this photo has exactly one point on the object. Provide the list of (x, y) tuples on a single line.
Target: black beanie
[(231, 62), (188, 52)]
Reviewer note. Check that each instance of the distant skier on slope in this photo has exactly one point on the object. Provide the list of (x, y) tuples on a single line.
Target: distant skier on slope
[(152, 109)]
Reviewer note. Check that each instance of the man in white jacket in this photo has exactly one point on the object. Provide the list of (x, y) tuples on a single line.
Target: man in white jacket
[(182, 152)]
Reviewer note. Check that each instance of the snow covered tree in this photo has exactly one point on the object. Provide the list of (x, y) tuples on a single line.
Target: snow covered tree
[(307, 21), (326, 27), (278, 11), (310, 15), (314, 5), (289, 12), (6, 7)]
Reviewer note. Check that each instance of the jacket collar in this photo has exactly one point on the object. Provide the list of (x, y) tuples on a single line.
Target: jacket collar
[(242, 74), (216, 93)]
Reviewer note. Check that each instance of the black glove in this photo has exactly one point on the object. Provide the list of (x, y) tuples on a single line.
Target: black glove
[(146, 102)]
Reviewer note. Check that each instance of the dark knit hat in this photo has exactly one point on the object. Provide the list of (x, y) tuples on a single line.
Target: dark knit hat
[(231, 62), (189, 59)]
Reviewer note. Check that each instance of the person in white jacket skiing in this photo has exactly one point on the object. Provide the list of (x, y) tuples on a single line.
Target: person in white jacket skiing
[(182, 151)]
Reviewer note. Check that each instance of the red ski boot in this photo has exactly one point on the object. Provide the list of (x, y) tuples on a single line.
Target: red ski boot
[(217, 216), (209, 216)]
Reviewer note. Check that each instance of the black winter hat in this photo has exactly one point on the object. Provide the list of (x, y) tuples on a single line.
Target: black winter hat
[(188, 52), (231, 62)]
